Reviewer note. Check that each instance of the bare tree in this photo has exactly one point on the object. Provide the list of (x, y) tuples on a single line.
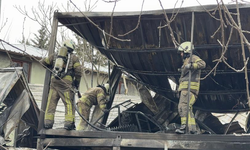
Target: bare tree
[(41, 39), (3, 24), (3, 20), (89, 55), (43, 15)]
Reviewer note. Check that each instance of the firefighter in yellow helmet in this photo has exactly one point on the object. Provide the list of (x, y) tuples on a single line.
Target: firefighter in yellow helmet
[(66, 76), (98, 96), (195, 66)]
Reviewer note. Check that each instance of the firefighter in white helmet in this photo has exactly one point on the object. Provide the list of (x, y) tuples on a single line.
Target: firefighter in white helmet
[(98, 96), (66, 76), (195, 66)]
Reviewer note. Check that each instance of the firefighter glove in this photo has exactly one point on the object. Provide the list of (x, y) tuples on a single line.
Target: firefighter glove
[(76, 84), (107, 98), (105, 110), (188, 66)]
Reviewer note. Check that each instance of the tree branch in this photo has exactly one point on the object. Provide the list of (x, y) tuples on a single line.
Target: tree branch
[(138, 22), (168, 25), (97, 25)]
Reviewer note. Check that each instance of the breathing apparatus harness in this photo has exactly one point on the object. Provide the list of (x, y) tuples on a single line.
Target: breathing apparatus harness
[(62, 60)]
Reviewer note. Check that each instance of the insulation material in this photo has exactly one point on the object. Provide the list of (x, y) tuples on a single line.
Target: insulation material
[(16, 103), (7, 81), (20, 106)]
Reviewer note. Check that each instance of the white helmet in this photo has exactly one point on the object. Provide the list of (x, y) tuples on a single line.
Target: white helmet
[(69, 44), (185, 47), (106, 85)]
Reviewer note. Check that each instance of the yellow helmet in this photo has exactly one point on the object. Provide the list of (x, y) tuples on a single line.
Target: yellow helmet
[(69, 44), (185, 47)]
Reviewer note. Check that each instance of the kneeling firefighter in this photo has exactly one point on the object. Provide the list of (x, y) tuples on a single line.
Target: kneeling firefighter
[(66, 77), (98, 96)]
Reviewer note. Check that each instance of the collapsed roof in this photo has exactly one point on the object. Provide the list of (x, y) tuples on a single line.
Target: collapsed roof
[(16, 103), (149, 55)]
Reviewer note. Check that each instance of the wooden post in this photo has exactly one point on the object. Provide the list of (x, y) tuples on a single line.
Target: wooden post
[(47, 81), (190, 73)]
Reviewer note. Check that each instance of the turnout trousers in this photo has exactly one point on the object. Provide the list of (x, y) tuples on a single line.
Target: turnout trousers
[(59, 90), (182, 108), (84, 110)]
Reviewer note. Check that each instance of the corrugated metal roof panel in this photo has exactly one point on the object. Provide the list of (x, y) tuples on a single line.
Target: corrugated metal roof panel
[(24, 50), (151, 57)]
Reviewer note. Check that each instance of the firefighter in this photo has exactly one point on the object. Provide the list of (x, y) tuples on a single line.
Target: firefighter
[(65, 79), (98, 96), (195, 66)]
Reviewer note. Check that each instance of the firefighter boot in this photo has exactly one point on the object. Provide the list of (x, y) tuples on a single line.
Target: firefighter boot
[(193, 130), (69, 126), (181, 130), (48, 124)]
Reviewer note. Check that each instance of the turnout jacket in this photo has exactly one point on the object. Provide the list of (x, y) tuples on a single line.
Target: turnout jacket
[(95, 96), (74, 69), (197, 65)]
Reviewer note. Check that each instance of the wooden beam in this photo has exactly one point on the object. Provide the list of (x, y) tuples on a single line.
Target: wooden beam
[(52, 44), (142, 143), (143, 135)]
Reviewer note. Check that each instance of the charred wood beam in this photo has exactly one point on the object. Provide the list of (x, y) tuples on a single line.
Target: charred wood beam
[(194, 143), (171, 73), (217, 92), (48, 73), (142, 37), (150, 50), (113, 81), (139, 135), (101, 142), (47, 82), (222, 110), (222, 92)]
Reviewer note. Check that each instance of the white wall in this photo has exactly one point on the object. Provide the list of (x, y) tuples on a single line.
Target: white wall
[(37, 73)]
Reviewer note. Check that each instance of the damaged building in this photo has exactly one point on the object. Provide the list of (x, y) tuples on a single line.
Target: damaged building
[(148, 57), (18, 108)]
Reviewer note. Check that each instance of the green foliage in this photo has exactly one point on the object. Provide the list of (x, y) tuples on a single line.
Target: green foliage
[(26, 41), (41, 39)]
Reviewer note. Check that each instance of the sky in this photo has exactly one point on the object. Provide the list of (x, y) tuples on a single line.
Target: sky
[(17, 25)]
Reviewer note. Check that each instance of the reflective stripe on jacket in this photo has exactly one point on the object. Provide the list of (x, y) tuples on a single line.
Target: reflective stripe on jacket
[(94, 96), (74, 64), (197, 65)]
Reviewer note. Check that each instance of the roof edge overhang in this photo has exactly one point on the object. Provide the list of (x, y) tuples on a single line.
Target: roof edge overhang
[(151, 12), (20, 54)]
